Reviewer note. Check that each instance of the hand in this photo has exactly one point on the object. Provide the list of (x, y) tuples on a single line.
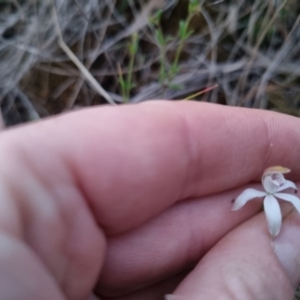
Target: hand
[(138, 199)]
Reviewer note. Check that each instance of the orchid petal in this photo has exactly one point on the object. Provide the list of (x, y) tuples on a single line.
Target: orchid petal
[(246, 196), (286, 185), (290, 198), (273, 214)]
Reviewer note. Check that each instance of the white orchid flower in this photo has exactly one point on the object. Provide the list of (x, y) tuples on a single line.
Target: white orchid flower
[(273, 182)]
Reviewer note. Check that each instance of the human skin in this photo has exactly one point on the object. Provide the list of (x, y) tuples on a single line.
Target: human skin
[(135, 201)]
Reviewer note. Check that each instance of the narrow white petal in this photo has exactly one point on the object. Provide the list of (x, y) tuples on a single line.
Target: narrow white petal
[(290, 198), (246, 196), (286, 185), (273, 214)]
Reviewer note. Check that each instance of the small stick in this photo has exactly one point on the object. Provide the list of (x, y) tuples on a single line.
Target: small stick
[(201, 92), (85, 72)]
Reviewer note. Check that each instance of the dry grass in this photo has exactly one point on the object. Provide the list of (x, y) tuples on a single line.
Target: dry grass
[(250, 50)]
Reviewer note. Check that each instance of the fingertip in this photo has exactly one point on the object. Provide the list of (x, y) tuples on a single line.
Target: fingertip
[(287, 247), (241, 266)]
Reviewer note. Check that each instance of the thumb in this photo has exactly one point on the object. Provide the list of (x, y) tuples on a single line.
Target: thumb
[(248, 264)]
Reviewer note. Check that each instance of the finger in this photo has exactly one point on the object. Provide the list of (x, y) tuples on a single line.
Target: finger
[(93, 297), (172, 242), (22, 274), (157, 291), (132, 162), (244, 265), (55, 223)]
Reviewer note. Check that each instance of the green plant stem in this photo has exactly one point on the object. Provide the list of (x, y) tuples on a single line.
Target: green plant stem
[(162, 69), (178, 53), (123, 88), (129, 77), (180, 47)]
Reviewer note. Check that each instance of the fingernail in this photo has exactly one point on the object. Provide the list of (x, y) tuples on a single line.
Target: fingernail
[(287, 247)]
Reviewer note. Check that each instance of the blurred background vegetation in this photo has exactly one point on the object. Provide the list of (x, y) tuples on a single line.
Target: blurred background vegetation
[(60, 55)]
